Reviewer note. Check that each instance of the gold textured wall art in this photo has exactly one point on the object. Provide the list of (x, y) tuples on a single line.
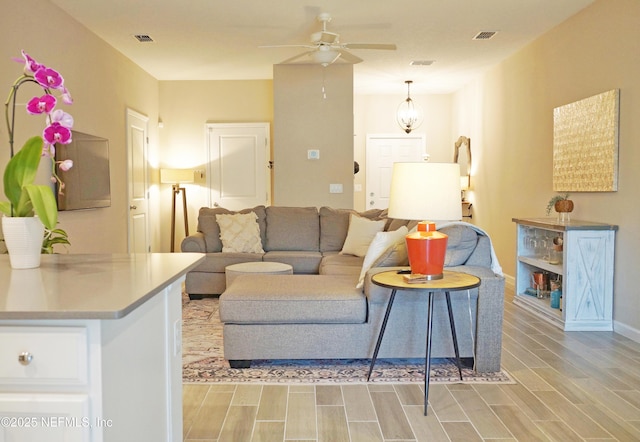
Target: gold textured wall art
[(585, 144)]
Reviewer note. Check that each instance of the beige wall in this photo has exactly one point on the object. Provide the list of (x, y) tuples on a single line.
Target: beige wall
[(511, 128), (103, 84), (306, 118), (185, 109)]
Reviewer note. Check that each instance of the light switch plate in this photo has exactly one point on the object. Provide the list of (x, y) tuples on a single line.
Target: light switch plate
[(335, 188)]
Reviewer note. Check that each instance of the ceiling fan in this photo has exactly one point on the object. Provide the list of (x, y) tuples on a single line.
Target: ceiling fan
[(325, 47)]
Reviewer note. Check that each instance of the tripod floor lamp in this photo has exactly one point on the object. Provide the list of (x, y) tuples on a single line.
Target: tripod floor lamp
[(175, 177)]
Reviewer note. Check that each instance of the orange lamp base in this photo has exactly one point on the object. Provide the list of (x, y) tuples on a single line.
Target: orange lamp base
[(426, 249)]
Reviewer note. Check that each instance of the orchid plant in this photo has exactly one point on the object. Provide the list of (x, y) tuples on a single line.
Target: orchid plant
[(26, 199)]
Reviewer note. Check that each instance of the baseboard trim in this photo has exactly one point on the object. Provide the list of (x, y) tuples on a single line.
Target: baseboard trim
[(626, 331), (510, 283)]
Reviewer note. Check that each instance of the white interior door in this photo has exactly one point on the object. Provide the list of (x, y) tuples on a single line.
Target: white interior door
[(381, 152), (137, 170), (239, 175)]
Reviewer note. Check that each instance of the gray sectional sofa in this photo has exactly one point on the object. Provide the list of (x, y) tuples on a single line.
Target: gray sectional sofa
[(319, 313)]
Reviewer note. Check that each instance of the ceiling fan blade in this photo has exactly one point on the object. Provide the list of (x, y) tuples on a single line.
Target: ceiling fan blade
[(389, 47), (287, 46), (350, 58), (296, 57)]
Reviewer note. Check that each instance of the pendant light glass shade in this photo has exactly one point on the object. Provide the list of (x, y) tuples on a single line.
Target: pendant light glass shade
[(409, 114)]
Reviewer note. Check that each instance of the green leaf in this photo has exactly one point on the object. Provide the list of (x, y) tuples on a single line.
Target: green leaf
[(44, 204), (5, 207), (21, 169)]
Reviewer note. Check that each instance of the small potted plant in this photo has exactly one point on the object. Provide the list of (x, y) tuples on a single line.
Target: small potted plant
[(561, 204)]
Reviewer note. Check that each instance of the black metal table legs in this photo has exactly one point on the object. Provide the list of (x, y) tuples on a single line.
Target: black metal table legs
[(427, 362)]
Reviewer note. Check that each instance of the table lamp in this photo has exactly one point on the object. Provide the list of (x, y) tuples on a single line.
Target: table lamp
[(426, 192), (175, 177)]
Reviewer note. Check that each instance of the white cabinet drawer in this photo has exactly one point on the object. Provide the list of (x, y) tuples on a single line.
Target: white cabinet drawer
[(50, 355)]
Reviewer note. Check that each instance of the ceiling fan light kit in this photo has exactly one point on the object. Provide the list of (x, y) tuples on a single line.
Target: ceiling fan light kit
[(409, 114)]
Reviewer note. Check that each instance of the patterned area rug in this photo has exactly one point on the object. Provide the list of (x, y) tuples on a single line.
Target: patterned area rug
[(203, 360)]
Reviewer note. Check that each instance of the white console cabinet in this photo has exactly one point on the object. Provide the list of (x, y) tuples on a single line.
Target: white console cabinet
[(585, 267), (90, 348)]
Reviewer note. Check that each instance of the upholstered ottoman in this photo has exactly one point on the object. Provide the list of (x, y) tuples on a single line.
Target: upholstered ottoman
[(266, 312), (257, 267)]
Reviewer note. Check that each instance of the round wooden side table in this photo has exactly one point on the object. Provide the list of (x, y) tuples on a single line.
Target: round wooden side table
[(451, 281)]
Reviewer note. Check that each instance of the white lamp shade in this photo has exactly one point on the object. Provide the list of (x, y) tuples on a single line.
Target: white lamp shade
[(425, 191), (176, 176)]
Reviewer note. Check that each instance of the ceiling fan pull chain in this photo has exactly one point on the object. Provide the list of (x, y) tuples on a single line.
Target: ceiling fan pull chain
[(324, 94)]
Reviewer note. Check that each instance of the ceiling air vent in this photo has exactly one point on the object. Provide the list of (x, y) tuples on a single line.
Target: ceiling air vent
[(143, 38), (422, 62), (485, 35)]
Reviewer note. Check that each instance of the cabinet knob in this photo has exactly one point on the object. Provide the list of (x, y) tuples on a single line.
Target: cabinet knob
[(25, 358)]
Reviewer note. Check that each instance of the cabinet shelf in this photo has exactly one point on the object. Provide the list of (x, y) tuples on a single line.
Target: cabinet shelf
[(542, 264), (541, 308)]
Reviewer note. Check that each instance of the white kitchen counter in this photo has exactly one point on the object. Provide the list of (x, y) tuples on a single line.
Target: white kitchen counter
[(91, 348), (88, 286)]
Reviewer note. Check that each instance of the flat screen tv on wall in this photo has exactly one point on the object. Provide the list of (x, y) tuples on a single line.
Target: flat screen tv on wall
[(87, 183)]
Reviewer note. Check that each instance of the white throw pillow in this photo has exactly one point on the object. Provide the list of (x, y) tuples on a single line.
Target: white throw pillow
[(240, 232), (380, 244), (360, 234)]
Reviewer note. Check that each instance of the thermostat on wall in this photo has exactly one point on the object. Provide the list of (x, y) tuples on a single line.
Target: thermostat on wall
[(313, 154)]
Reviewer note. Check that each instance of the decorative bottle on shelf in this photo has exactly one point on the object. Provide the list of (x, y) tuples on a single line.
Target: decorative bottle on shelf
[(556, 293)]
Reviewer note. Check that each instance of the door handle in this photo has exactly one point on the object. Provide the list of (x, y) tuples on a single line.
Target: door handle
[(133, 207)]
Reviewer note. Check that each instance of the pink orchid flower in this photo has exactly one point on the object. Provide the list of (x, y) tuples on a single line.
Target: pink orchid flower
[(49, 78), (30, 65), (57, 133), (60, 116), (40, 105), (65, 165)]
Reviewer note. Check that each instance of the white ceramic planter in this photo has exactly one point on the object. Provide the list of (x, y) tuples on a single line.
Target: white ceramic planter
[(23, 238)]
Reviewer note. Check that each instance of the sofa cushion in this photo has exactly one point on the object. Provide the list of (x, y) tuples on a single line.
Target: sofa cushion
[(361, 232), (209, 227), (292, 299), (481, 255), (334, 225), (334, 263), (305, 262), (217, 262), (381, 242), (292, 228), (460, 245), (239, 233)]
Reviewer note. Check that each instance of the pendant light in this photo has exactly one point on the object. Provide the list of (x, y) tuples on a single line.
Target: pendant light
[(409, 115)]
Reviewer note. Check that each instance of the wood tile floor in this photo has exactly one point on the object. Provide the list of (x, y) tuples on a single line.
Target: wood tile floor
[(571, 386)]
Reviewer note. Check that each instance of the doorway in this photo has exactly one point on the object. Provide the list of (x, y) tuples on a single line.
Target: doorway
[(238, 165), (381, 152), (137, 173)]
